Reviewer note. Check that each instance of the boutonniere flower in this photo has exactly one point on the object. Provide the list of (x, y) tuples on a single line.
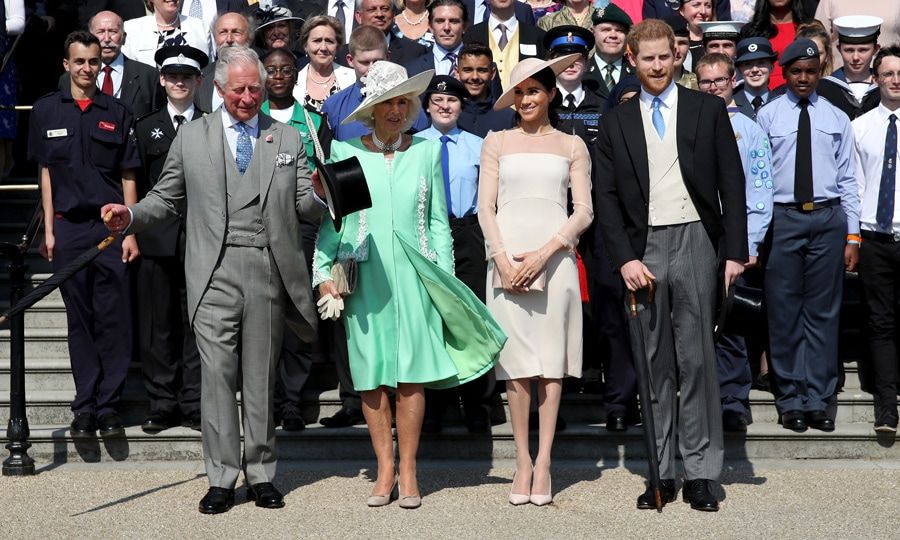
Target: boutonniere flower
[(283, 160), (269, 138)]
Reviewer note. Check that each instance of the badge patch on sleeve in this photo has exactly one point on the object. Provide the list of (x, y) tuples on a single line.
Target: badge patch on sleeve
[(106, 126)]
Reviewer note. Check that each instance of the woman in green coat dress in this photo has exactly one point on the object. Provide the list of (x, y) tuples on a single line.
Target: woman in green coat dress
[(410, 323)]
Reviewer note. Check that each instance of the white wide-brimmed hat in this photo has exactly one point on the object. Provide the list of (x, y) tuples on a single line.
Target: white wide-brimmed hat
[(527, 68), (385, 81)]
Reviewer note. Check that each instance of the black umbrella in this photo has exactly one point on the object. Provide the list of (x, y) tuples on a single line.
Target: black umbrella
[(636, 334), (57, 279)]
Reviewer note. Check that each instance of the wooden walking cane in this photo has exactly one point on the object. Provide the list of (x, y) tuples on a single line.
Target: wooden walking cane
[(57, 279)]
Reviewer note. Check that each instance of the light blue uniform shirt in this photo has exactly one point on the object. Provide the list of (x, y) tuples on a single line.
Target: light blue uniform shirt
[(754, 148), (834, 171), (465, 155)]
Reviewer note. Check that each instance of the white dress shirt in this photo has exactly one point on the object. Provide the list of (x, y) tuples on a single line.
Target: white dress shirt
[(870, 131), (229, 124), (617, 68), (669, 98), (442, 65), (188, 114), (118, 71), (578, 93), (511, 24)]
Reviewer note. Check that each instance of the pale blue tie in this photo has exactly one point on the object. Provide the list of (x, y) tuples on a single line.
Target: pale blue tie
[(244, 147), (657, 118)]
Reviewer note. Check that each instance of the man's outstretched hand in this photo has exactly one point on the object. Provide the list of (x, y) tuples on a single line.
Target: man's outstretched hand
[(119, 217)]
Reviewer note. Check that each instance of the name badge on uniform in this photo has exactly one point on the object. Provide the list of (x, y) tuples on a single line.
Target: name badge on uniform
[(54, 133), (528, 49), (106, 126)]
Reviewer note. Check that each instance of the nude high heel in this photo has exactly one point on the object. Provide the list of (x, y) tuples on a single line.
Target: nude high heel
[(543, 500), (410, 502), (375, 501), (517, 499)]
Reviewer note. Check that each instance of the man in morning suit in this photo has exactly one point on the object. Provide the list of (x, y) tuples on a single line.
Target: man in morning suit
[(670, 185), (509, 40), (169, 358), (380, 14), (815, 236), (242, 194), (230, 30), (135, 84)]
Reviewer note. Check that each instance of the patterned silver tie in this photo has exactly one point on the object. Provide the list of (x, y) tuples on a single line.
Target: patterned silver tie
[(196, 9)]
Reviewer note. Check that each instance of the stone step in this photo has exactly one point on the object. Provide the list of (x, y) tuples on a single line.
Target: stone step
[(39, 343), (48, 313), (52, 406), (52, 443)]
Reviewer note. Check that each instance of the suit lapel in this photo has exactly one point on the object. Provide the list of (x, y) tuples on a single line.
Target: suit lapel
[(633, 132), (215, 138), (128, 89), (688, 118), (266, 152)]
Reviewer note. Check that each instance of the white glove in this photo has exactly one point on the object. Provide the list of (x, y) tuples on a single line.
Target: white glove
[(330, 307)]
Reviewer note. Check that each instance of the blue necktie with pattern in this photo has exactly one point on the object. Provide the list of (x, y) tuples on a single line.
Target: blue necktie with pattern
[(445, 168), (657, 118), (244, 147), (884, 215)]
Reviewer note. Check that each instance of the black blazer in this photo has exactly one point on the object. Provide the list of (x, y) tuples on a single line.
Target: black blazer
[(710, 164), (740, 99), (154, 134), (401, 51), (303, 8), (420, 63), (204, 94), (523, 11), (528, 35), (141, 90), (595, 74)]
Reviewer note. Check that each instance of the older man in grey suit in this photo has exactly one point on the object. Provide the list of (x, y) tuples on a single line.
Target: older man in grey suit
[(241, 181)]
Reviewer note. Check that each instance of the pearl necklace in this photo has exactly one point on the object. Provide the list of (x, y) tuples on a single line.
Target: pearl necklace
[(409, 22), (324, 83), (386, 147)]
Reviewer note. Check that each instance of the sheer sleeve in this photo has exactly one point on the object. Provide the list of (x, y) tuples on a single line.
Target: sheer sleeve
[(580, 183), (488, 189)]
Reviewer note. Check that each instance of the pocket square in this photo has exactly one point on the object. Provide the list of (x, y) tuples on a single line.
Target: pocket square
[(283, 160)]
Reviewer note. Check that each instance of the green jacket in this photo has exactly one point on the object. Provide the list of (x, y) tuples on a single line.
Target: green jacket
[(298, 122)]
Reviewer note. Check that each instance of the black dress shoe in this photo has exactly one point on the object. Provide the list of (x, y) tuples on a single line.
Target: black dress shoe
[(217, 501), (345, 417), (292, 420), (794, 421), (699, 494), (820, 420), (734, 422), (110, 425), (647, 501), (84, 425), (159, 421), (192, 421), (265, 495), (615, 421)]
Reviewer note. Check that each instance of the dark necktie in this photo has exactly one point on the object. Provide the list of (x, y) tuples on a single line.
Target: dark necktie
[(339, 13), (179, 119), (445, 168), (452, 57), (487, 11), (803, 171), (608, 78), (107, 87), (504, 39), (756, 103), (884, 215), (570, 103)]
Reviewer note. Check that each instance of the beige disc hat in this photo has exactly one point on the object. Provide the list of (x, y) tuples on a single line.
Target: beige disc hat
[(385, 81), (528, 67)]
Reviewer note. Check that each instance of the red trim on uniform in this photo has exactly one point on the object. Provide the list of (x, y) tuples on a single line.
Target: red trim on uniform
[(83, 104)]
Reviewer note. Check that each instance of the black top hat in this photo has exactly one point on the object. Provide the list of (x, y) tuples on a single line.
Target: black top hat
[(742, 312), (345, 186)]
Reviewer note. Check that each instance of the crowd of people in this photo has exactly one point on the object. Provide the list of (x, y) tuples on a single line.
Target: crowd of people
[(529, 165)]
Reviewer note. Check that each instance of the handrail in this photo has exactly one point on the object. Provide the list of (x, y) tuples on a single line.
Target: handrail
[(20, 187), (34, 225)]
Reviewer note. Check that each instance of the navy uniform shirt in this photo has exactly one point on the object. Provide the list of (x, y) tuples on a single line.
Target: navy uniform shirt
[(85, 152), (584, 120), (834, 171)]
